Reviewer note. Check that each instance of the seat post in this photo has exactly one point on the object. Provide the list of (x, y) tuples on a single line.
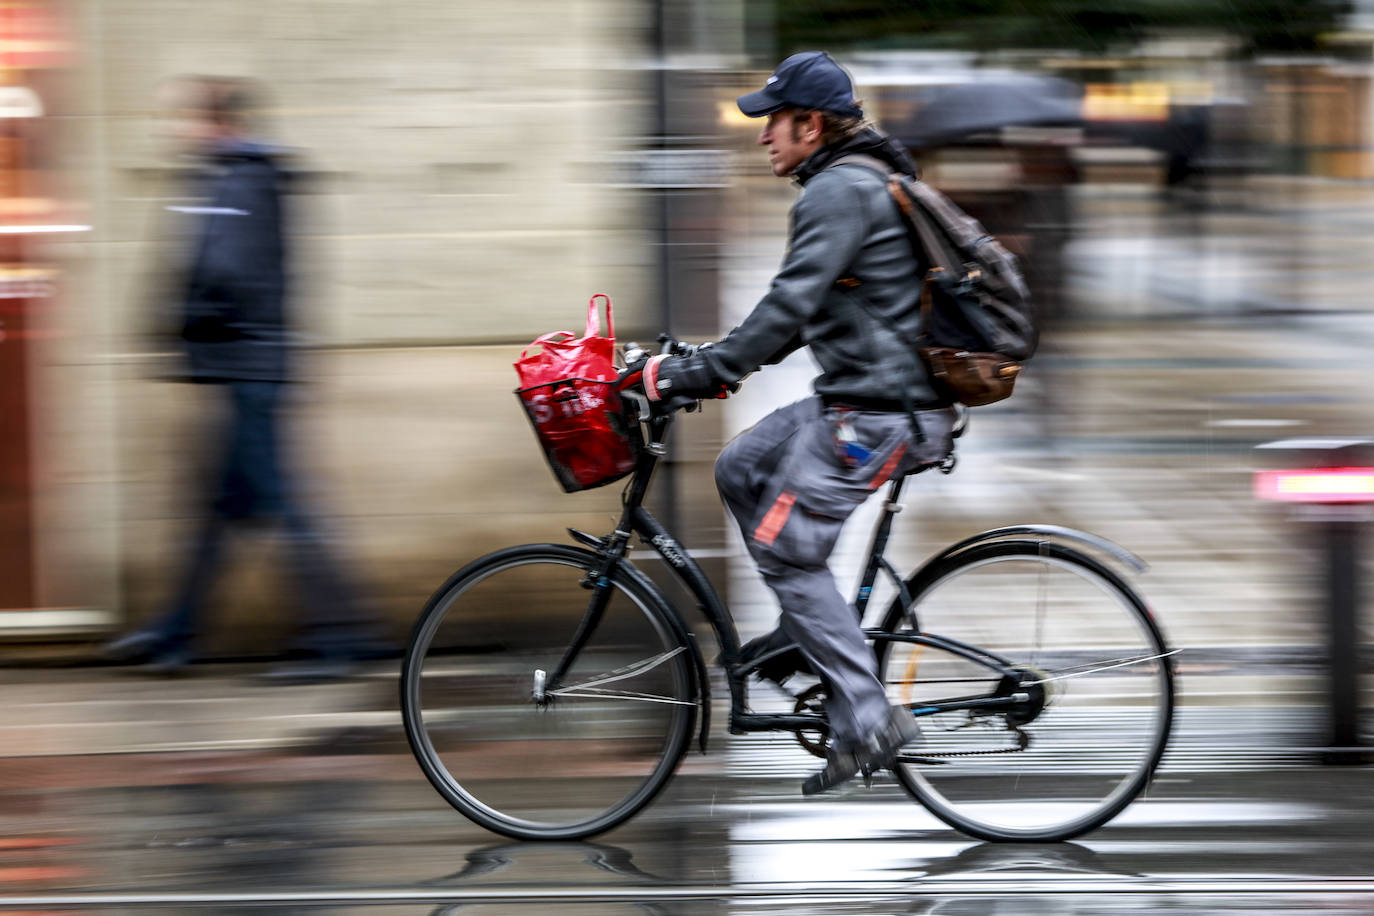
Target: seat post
[(891, 506)]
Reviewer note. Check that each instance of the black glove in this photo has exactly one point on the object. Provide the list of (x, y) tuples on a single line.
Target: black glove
[(633, 377), (684, 377)]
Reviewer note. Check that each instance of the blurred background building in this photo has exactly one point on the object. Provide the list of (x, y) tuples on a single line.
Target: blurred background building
[(1183, 179)]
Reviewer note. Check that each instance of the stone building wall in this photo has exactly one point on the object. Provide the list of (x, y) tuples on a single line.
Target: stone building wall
[(452, 209)]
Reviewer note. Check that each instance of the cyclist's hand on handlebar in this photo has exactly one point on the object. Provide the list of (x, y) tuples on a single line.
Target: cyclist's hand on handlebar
[(673, 379), (632, 379), (722, 390)]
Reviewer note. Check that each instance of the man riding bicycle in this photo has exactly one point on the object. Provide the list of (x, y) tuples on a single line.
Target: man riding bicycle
[(849, 288)]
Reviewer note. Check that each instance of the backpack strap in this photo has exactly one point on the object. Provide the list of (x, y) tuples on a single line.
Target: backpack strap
[(937, 252)]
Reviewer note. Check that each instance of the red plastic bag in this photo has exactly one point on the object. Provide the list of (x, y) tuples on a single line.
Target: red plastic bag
[(567, 387)]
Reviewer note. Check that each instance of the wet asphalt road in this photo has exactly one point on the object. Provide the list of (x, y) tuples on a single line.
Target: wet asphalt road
[(348, 831)]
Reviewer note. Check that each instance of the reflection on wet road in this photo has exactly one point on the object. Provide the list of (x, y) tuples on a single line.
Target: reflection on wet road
[(1277, 841)]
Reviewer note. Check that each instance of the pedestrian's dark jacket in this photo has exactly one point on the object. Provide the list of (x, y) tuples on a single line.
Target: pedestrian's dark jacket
[(844, 225), (233, 318)]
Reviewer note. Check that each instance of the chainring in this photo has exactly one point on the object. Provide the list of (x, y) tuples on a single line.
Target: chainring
[(814, 740)]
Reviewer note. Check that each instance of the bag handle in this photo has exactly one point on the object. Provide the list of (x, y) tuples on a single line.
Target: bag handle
[(546, 338), (593, 319)]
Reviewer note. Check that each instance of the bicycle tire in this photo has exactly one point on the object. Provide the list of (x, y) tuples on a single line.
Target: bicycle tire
[(1105, 722), (599, 751)]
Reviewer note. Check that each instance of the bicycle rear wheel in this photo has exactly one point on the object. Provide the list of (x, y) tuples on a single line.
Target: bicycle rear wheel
[(603, 741), (1085, 653)]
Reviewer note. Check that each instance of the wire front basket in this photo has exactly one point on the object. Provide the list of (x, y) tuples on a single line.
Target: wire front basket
[(582, 429)]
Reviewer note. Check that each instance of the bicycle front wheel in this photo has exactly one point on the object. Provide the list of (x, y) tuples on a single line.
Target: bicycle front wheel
[(521, 755), (1080, 667)]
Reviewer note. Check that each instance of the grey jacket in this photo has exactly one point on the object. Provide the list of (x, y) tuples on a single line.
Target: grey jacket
[(844, 224)]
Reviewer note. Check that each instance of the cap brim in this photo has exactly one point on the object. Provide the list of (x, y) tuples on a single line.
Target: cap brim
[(758, 104)]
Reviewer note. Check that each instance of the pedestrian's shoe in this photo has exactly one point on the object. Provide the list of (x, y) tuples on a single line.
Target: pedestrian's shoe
[(173, 662), (878, 753), (134, 648)]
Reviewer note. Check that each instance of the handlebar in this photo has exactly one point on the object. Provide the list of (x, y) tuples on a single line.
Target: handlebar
[(668, 345), (671, 346), (633, 376)]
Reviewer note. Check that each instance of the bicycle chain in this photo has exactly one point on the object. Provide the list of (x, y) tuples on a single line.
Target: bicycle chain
[(1022, 743), (812, 747)]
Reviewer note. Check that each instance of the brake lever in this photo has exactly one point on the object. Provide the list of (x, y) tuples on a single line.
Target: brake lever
[(668, 345), (643, 410), (682, 403)]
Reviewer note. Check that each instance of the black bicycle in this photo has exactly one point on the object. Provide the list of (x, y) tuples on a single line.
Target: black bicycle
[(549, 691)]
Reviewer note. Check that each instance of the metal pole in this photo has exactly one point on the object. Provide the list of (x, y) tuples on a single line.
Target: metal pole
[(1343, 600), (667, 469)]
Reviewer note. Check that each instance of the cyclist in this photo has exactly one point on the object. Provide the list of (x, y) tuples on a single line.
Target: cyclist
[(849, 287)]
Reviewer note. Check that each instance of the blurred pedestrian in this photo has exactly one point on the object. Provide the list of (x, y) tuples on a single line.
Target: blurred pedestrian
[(849, 288), (235, 327)]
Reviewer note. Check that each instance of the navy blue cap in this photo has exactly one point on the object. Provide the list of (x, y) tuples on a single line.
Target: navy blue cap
[(807, 80)]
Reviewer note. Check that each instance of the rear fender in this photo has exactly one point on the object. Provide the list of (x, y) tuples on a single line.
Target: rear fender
[(1051, 532)]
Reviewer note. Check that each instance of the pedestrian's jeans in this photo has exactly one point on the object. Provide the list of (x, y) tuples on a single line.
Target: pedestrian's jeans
[(791, 482), (255, 485)]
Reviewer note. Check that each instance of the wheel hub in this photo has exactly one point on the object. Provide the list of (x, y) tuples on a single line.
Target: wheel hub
[(1030, 683), (539, 692)]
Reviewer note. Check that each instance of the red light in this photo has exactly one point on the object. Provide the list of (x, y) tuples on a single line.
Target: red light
[(1316, 485)]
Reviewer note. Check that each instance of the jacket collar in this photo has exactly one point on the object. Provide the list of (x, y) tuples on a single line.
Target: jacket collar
[(870, 141)]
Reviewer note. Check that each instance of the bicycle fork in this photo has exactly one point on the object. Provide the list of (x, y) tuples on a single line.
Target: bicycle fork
[(598, 580)]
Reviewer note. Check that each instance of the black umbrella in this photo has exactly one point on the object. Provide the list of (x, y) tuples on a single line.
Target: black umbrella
[(989, 104)]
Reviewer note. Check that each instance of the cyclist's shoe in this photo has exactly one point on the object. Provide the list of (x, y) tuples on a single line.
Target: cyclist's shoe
[(877, 753), (779, 668), (840, 767), (881, 751)]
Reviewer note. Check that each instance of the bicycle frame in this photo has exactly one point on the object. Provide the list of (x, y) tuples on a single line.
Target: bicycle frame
[(635, 519), (513, 732)]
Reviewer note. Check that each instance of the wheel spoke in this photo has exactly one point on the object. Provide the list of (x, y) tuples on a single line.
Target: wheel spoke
[(621, 674), (598, 693), (1042, 591), (1105, 665)]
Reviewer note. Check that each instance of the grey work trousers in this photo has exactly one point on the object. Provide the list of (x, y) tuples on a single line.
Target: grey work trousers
[(791, 482)]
